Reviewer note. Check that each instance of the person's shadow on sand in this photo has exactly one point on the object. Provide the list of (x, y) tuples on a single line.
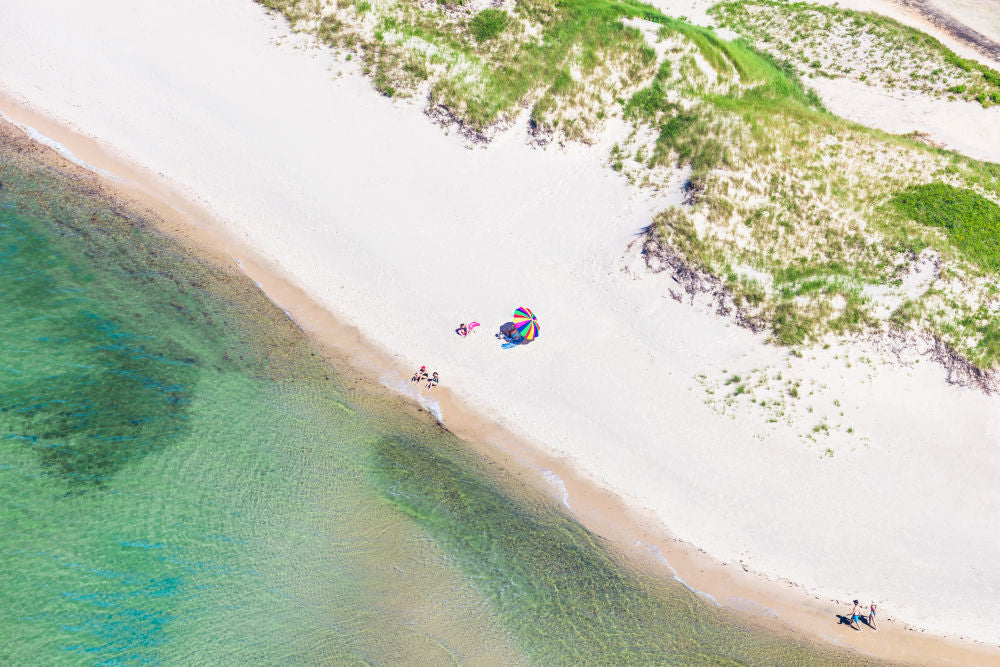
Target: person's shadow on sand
[(846, 620)]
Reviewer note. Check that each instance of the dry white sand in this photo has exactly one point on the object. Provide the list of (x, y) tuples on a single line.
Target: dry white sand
[(404, 232), (966, 127)]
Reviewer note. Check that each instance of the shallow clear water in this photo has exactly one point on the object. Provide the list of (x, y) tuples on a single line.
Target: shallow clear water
[(183, 479)]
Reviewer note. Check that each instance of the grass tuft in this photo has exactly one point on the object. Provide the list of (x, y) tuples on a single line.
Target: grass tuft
[(488, 24)]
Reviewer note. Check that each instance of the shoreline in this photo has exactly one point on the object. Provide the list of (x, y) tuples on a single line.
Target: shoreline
[(306, 164), (635, 532)]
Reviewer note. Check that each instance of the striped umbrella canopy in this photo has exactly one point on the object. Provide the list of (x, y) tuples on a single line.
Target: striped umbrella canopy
[(525, 323)]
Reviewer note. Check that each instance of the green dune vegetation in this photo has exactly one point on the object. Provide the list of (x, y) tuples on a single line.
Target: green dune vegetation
[(810, 226), (876, 50)]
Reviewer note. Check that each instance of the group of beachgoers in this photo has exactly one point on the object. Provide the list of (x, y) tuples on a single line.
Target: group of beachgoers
[(433, 379), (421, 376), (857, 615), (508, 333)]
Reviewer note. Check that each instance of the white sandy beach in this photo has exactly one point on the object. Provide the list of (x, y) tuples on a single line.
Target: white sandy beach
[(404, 232)]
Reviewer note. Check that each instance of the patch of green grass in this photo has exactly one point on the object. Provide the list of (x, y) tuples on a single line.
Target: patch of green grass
[(987, 350), (789, 325), (691, 138), (646, 103), (488, 24), (784, 30), (971, 221), (563, 83), (663, 73)]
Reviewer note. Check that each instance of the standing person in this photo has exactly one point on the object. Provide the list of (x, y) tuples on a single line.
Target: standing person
[(871, 616), (856, 616)]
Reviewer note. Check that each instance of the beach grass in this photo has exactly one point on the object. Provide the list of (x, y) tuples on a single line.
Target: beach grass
[(488, 24), (819, 40), (798, 214), (972, 221)]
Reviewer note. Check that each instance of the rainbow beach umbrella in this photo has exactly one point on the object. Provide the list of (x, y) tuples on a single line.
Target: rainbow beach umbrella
[(525, 324)]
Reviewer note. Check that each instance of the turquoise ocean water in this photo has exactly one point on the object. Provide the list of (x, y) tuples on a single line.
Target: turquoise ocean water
[(184, 480)]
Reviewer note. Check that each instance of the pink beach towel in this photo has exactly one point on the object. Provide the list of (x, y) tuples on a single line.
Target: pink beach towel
[(468, 329)]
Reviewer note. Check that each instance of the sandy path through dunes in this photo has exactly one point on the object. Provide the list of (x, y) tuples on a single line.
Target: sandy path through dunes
[(965, 127), (403, 232)]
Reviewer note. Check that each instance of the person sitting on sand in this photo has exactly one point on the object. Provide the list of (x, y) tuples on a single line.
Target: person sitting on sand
[(509, 333), (462, 330), (871, 616), (856, 616), (419, 375), (433, 382)]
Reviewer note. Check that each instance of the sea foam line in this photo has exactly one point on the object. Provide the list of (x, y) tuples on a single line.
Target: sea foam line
[(40, 137), (409, 390), (560, 486), (655, 551)]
